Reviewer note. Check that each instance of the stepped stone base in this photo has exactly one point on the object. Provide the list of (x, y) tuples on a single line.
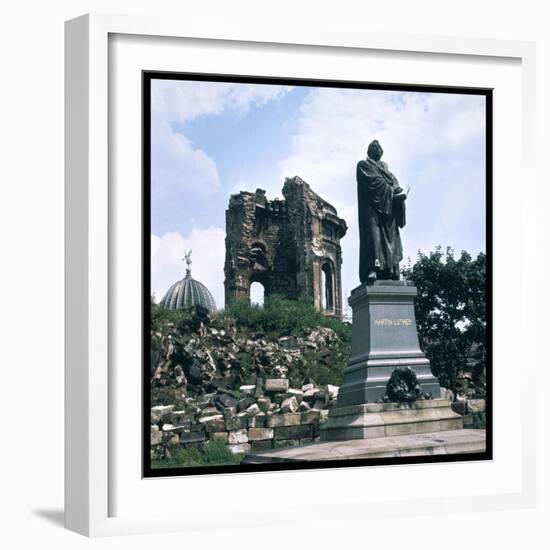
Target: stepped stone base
[(390, 419), (435, 443)]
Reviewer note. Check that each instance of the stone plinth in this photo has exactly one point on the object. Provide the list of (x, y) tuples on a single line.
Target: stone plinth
[(389, 420), (384, 337)]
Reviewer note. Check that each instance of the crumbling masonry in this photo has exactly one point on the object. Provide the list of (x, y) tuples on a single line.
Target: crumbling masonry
[(291, 246)]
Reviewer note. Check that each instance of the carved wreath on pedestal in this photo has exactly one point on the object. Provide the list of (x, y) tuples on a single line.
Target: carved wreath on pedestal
[(403, 386)]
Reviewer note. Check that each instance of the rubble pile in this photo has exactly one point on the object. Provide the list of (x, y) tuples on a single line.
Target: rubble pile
[(254, 392)]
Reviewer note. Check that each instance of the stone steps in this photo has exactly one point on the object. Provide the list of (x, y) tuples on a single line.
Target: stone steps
[(428, 444), (374, 420)]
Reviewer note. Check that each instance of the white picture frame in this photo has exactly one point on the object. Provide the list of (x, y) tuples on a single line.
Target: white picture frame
[(92, 437)]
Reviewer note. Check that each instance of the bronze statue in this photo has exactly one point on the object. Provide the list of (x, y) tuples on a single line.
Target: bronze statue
[(381, 214)]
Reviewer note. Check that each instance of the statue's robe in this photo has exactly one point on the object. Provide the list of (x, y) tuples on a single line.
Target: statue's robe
[(380, 217)]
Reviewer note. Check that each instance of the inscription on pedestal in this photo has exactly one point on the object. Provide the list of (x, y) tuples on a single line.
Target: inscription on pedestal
[(384, 337), (393, 322)]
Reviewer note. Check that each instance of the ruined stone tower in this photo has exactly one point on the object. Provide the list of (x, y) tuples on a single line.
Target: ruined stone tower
[(291, 246)]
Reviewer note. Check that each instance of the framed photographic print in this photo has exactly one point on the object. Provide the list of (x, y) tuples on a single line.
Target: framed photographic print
[(259, 363), (289, 258)]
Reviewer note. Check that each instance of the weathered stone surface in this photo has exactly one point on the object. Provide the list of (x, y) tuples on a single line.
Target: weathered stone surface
[(248, 389), (287, 419), (258, 434), (170, 438), (238, 436), (236, 423), (292, 432), (244, 403), (476, 405), (307, 387), (227, 401), (263, 445), (276, 385), (297, 394), (239, 448), (289, 405), (281, 243), (439, 443), (181, 418), (156, 435), (210, 418), (161, 413), (192, 437), (309, 417), (257, 421), (253, 410)]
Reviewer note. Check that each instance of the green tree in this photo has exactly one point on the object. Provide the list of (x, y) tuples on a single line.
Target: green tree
[(451, 316)]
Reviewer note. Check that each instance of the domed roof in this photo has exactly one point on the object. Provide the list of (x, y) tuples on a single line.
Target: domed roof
[(188, 292)]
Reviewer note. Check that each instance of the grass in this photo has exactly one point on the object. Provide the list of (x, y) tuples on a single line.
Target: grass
[(212, 453)]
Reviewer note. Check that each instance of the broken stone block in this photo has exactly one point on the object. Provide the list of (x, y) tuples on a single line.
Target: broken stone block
[(239, 448), (161, 413), (289, 405), (259, 434), (237, 437), (156, 435), (318, 404), (236, 423), (244, 403), (248, 389), (257, 421), (253, 410), (264, 445), (192, 437), (276, 385), (292, 432), (308, 417)]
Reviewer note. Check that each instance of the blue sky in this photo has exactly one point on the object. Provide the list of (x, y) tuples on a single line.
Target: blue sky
[(213, 139)]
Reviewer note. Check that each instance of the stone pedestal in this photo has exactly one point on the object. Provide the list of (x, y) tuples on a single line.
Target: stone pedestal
[(384, 337)]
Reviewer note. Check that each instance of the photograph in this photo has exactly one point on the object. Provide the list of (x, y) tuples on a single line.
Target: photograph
[(317, 286)]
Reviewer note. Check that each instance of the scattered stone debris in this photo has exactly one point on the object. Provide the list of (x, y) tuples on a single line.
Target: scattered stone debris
[(254, 393)]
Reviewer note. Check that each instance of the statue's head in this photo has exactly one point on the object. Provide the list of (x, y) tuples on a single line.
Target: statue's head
[(375, 150)]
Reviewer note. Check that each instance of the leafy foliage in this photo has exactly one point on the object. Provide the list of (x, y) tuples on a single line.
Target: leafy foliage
[(213, 452), (283, 317), (451, 316), (161, 318)]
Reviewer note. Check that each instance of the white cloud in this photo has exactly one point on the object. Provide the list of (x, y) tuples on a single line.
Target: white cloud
[(177, 167), (180, 101), (208, 256)]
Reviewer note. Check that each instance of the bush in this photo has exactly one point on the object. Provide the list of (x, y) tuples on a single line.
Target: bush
[(212, 453), (283, 317)]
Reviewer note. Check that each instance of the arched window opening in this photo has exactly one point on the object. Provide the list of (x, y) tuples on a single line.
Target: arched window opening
[(327, 285), (257, 293)]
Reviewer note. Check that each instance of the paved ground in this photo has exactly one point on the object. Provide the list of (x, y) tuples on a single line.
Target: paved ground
[(436, 443)]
